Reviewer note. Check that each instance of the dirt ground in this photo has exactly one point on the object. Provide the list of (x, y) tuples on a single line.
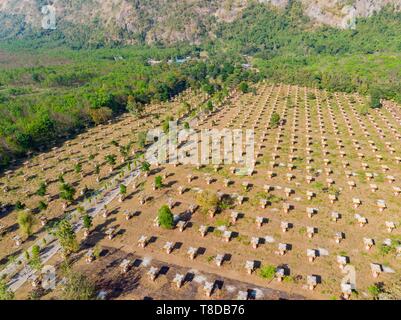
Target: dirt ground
[(332, 127)]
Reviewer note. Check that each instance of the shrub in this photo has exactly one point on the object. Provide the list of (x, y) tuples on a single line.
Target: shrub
[(244, 87), (67, 192), (268, 272), (42, 205), (5, 292), (208, 200), (34, 260), (158, 182), (374, 290), (77, 287), (165, 217), (145, 166), (26, 222), (123, 189), (19, 205), (100, 115), (87, 221), (375, 99), (142, 139), (275, 120), (41, 190)]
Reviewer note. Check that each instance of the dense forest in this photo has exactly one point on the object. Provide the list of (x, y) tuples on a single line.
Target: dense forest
[(40, 105), (285, 48), (66, 88)]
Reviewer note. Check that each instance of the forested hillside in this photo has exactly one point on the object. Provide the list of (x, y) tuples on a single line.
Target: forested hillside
[(284, 48)]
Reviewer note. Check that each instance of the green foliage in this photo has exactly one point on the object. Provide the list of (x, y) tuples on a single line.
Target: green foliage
[(244, 87), (159, 182), (166, 124), (142, 139), (165, 217), (123, 189), (67, 192), (208, 200), (42, 190), (275, 120), (374, 290), (66, 236), (145, 166), (26, 221), (77, 286), (87, 221), (34, 261), (268, 272), (42, 206), (19, 205), (5, 292), (375, 99), (78, 168), (110, 159)]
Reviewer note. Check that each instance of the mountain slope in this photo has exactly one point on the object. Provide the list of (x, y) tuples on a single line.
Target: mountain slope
[(161, 21)]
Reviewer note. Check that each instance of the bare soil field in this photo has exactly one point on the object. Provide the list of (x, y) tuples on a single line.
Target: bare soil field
[(321, 205)]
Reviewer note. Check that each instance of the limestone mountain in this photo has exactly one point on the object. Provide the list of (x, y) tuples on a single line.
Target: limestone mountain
[(162, 21)]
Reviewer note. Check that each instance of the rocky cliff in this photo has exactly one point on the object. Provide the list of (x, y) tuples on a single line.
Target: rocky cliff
[(166, 21)]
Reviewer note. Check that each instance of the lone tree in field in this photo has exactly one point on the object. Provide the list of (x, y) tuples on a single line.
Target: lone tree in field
[(26, 221), (67, 238), (275, 120), (165, 217), (208, 201), (5, 292)]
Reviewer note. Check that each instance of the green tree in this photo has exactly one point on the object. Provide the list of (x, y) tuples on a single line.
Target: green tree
[(165, 217), (67, 237), (34, 260), (26, 222), (5, 292)]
